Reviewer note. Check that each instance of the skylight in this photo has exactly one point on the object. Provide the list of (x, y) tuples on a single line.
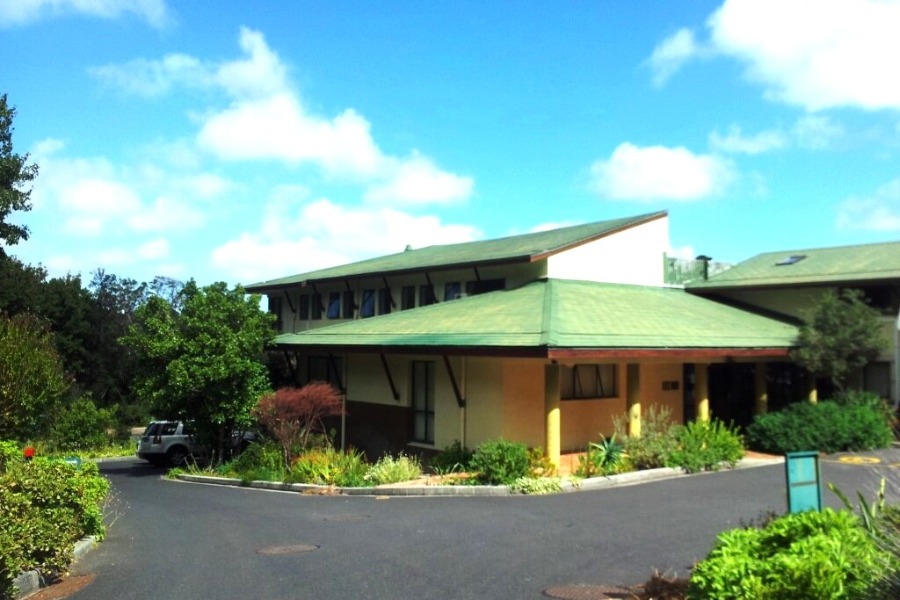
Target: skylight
[(790, 260)]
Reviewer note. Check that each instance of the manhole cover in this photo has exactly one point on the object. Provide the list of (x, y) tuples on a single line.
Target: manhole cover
[(292, 549), (346, 518), (585, 591)]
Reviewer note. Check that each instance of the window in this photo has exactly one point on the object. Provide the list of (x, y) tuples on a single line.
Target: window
[(367, 307), (385, 301), (452, 290), (426, 295), (423, 401), (316, 308), (408, 297), (303, 308), (334, 305), (790, 260), (349, 304), (275, 306), (588, 381), (327, 369), (483, 286)]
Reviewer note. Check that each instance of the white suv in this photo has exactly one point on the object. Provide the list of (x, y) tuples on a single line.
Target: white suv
[(169, 442)]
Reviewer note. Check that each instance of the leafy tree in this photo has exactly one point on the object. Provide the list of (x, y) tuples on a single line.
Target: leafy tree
[(20, 285), (31, 375), (14, 174), (203, 362), (842, 334)]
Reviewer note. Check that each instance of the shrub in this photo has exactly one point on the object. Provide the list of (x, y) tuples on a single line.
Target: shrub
[(294, 415), (810, 555), (603, 458), (501, 462), (327, 466), (80, 425), (657, 442), (536, 485), (263, 461), (706, 445), (392, 470), (46, 506), (854, 423), (454, 458)]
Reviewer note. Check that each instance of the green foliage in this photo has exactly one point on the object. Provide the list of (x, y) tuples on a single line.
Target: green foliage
[(536, 485), (656, 444), (706, 446), (810, 555), (15, 175), (391, 469), (262, 461), (10, 453), (855, 423), (327, 466), (31, 376), (202, 357), (842, 334), (80, 426), (46, 506), (454, 458), (602, 458), (501, 462)]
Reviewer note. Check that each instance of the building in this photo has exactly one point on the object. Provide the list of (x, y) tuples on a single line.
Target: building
[(545, 338)]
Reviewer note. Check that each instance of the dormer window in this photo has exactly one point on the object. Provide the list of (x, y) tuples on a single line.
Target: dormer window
[(790, 260)]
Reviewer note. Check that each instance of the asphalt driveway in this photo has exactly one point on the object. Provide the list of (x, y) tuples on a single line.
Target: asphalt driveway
[(176, 539)]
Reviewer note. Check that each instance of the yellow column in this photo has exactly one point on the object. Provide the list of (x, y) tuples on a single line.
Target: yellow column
[(633, 400), (812, 392), (701, 391), (551, 411), (762, 391)]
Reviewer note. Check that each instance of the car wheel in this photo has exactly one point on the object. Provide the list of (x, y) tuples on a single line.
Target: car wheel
[(177, 456)]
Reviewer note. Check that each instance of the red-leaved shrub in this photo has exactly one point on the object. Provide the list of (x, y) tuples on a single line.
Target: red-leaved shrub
[(292, 414)]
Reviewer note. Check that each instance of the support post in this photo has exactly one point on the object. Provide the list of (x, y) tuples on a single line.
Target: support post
[(701, 391), (552, 444), (762, 392), (633, 399), (812, 392)]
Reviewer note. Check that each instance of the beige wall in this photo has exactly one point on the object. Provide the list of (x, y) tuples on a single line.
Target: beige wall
[(523, 401)]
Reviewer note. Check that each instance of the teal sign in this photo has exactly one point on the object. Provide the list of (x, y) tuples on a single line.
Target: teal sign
[(803, 489)]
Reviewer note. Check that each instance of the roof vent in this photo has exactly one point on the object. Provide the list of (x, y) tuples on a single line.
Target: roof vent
[(408, 248), (790, 260)]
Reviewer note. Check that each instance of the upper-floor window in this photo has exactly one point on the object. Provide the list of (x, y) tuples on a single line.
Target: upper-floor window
[(349, 304), (452, 290), (408, 297), (588, 381), (484, 286), (385, 301), (426, 295), (316, 308), (334, 305), (303, 307), (275, 306), (367, 306)]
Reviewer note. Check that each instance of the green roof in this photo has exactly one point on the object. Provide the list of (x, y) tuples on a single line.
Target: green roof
[(846, 264), (518, 248), (561, 314)]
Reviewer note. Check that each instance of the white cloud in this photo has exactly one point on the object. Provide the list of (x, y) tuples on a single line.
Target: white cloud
[(879, 212), (831, 53), (416, 180), (672, 53), (298, 235), (659, 172), (154, 249), (21, 12), (815, 132), (166, 214), (736, 142), (150, 78)]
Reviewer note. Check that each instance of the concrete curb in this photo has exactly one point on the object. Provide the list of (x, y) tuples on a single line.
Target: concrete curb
[(29, 582), (593, 483)]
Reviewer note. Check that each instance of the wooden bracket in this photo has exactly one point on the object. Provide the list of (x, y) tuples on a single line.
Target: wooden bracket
[(387, 371), (460, 401)]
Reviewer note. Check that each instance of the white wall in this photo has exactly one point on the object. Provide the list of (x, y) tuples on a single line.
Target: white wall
[(633, 256)]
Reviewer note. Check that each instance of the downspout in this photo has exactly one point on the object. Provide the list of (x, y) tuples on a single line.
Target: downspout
[(462, 414), (344, 404), (897, 362)]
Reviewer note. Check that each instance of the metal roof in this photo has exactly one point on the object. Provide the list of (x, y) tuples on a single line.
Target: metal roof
[(520, 248)]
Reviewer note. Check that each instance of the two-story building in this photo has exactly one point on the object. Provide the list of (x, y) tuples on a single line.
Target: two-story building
[(545, 338)]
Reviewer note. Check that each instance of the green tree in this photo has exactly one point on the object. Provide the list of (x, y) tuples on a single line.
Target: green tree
[(842, 334), (31, 375), (15, 173), (203, 361)]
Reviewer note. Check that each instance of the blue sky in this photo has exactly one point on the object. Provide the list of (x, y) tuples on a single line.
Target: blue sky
[(242, 141)]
